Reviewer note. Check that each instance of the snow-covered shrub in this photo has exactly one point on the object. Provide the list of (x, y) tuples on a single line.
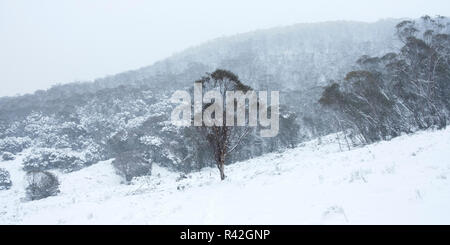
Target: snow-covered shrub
[(14, 144), (41, 184), (93, 153), (132, 164), (5, 180), (8, 156), (48, 158), (151, 140)]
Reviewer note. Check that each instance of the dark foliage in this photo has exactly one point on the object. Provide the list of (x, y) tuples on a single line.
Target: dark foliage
[(7, 156), (132, 164), (41, 184)]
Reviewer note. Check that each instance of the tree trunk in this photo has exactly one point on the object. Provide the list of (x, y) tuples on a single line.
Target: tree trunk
[(222, 167), (222, 173)]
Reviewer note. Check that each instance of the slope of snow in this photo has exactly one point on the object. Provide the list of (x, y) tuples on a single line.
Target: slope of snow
[(402, 181)]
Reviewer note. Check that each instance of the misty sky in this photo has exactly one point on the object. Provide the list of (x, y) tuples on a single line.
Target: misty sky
[(47, 42)]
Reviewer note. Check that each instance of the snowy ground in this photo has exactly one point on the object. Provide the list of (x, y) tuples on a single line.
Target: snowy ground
[(402, 181)]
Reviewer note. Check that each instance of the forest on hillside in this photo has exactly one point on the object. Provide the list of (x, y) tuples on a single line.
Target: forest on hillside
[(384, 80)]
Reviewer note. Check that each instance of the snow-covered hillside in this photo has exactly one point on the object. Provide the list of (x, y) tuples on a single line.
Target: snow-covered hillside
[(402, 181)]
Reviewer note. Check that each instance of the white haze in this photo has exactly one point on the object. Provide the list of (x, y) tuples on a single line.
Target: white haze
[(46, 42)]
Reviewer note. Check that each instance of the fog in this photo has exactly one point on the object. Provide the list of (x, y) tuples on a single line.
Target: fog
[(47, 42)]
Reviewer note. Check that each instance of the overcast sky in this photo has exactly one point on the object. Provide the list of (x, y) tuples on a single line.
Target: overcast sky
[(47, 42)]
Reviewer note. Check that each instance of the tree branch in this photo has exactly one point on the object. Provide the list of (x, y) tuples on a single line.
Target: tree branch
[(247, 130)]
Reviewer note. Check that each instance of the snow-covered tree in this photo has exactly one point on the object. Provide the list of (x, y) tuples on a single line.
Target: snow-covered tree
[(5, 180)]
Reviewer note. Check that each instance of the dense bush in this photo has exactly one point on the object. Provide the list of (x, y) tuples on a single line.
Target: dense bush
[(7, 156), (48, 158), (41, 184), (132, 164), (5, 180), (14, 144)]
